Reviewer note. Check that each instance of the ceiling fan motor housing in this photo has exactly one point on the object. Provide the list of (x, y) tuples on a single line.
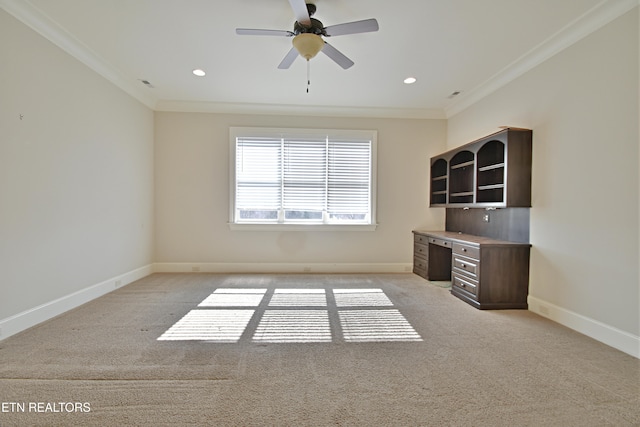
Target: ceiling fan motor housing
[(316, 27)]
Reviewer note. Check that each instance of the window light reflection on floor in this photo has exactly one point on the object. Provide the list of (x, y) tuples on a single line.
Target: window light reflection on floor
[(298, 298), (294, 315), (376, 326), (229, 297), (361, 298), (209, 325), (300, 326)]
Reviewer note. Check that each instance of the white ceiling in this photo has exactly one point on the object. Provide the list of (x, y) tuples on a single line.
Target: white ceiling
[(471, 46)]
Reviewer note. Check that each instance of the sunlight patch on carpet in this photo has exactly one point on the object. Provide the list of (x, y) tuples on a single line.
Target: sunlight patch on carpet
[(299, 326), (229, 297), (294, 315), (376, 326), (361, 298), (209, 325), (298, 298)]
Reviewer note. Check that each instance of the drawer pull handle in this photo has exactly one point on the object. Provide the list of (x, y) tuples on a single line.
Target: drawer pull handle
[(464, 250), (464, 265), (461, 285)]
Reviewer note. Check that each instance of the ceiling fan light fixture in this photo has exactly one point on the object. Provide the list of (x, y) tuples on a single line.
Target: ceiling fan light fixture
[(308, 45)]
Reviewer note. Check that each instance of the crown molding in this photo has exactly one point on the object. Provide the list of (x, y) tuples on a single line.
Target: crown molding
[(35, 19), (592, 20)]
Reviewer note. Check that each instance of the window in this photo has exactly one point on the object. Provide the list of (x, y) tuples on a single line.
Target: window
[(302, 177)]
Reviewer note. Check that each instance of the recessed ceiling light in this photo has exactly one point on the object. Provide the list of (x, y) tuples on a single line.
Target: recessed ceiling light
[(410, 80), (198, 72)]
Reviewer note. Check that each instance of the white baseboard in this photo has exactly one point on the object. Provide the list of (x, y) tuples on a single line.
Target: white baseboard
[(599, 331), (195, 267), (21, 321)]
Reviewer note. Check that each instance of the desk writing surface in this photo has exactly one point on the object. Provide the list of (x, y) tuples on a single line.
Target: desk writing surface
[(468, 238)]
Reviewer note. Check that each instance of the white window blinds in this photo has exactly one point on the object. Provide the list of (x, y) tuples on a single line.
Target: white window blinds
[(348, 180), (309, 179), (304, 178), (259, 174)]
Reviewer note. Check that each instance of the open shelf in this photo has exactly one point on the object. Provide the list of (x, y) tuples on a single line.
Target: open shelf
[(462, 165), (439, 181), (490, 187), (466, 199), (490, 167), (491, 172), (461, 177)]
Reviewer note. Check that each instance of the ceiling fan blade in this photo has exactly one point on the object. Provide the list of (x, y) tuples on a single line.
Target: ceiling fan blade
[(337, 56), (364, 26), (288, 59), (254, 32), (300, 11)]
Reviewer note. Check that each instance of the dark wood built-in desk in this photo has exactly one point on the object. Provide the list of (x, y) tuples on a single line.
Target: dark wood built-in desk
[(484, 272)]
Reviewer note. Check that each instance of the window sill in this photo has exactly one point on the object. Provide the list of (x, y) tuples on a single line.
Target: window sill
[(301, 227)]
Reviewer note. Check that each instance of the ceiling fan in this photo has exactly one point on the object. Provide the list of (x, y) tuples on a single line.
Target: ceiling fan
[(308, 32)]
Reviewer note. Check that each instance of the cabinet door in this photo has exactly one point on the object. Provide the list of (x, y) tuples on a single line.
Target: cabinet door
[(518, 158)]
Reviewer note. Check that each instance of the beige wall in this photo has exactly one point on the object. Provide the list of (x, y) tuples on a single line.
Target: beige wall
[(76, 175), (582, 105), (192, 194)]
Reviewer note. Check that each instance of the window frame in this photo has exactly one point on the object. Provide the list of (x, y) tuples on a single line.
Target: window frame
[(293, 225)]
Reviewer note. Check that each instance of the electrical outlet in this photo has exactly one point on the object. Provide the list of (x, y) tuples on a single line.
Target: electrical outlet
[(485, 217)]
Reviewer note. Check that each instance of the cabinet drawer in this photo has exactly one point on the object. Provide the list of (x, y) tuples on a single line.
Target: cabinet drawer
[(466, 265), (440, 242), (419, 238), (466, 250), (419, 264), (421, 251), (464, 283)]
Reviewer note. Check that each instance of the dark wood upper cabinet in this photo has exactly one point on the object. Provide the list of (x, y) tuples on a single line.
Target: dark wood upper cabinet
[(494, 171)]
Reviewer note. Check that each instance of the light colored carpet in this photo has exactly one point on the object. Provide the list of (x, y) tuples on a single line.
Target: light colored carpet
[(465, 368)]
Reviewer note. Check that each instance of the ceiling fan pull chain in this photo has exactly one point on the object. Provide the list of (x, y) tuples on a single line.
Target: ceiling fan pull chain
[(308, 74)]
